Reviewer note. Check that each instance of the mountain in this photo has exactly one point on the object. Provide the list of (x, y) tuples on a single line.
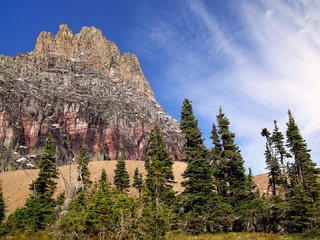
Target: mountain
[(83, 90)]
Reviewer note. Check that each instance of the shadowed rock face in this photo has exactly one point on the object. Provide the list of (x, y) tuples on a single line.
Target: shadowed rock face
[(80, 88)]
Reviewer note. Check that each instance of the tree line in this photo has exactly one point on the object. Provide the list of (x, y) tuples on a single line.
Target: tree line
[(218, 195)]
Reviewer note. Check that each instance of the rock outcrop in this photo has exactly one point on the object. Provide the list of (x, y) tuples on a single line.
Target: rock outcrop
[(83, 90)]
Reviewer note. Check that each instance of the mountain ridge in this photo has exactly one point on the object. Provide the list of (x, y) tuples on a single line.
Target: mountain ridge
[(83, 90)]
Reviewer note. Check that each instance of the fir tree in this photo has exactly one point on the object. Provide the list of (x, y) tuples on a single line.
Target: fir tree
[(158, 164), (218, 163), (155, 218), (101, 211), (305, 169), (303, 195), (83, 170), (74, 222), (37, 214), (45, 183), (232, 164), (138, 181), (198, 179), (109, 212), (121, 177), (277, 139), (272, 163)]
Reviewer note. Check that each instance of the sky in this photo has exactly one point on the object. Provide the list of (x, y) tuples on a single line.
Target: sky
[(255, 59)]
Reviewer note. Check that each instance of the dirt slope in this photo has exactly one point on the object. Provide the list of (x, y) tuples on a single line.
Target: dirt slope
[(16, 183)]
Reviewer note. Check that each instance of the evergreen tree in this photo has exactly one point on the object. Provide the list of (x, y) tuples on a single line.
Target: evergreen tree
[(101, 212), (158, 164), (234, 177), (306, 172), (138, 181), (74, 222), (303, 195), (277, 139), (155, 218), (218, 163), (121, 177), (37, 214), (83, 170), (2, 205), (109, 212), (45, 183), (198, 179), (272, 163)]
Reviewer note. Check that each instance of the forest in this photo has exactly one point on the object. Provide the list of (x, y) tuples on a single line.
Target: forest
[(219, 195)]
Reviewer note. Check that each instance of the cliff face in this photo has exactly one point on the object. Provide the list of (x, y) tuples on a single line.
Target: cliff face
[(82, 90)]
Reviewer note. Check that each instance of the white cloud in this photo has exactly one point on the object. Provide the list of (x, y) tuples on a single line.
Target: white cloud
[(269, 13), (270, 64)]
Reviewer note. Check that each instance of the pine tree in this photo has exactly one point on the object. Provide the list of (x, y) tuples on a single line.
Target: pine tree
[(198, 179), (121, 177), (45, 183), (110, 212), (155, 218), (101, 210), (74, 222), (83, 170), (232, 163), (218, 163), (272, 163), (138, 181), (303, 195), (305, 169), (277, 139), (37, 214), (158, 164)]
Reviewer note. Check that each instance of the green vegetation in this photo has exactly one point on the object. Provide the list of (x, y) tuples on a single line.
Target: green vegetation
[(219, 201), (138, 181), (45, 184), (84, 174), (121, 176)]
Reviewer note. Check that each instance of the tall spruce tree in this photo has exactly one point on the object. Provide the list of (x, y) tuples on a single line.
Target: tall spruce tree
[(306, 171), (158, 164), (218, 163), (138, 181), (233, 164), (83, 170), (303, 195), (45, 184), (272, 163), (121, 177), (198, 178)]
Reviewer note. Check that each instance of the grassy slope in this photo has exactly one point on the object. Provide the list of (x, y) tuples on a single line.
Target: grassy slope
[(16, 183)]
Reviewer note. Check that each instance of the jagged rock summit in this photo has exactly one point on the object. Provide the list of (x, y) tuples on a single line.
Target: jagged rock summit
[(83, 90), (91, 50)]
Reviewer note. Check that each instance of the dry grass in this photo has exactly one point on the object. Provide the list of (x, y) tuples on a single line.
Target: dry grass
[(16, 183), (262, 182)]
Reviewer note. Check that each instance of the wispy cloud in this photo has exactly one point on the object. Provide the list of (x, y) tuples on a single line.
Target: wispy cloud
[(256, 67)]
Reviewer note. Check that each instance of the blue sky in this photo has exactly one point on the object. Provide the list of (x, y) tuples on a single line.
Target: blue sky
[(255, 59)]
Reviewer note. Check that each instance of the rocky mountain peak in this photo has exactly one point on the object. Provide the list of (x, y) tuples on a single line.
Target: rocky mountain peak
[(90, 48), (84, 91)]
